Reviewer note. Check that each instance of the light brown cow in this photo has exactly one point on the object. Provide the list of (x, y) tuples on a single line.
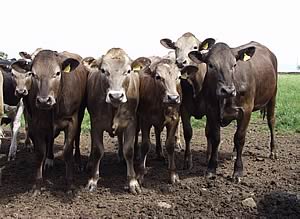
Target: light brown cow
[(113, 97), (160, 98)]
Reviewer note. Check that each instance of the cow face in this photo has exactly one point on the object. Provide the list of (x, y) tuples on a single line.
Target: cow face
[(167, 75), (183, 46), (22, 77), (221, 63), (46, 69), (115, 67)]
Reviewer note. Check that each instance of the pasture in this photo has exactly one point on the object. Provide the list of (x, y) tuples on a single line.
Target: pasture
[(273, 185)]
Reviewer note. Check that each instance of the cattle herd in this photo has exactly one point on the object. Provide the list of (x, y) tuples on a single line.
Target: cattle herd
[(124, 97)]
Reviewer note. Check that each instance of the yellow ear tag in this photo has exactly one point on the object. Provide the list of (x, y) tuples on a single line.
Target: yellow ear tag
[(67, 69), (205, 46), (137, 68), (246, 57), (184, 76)]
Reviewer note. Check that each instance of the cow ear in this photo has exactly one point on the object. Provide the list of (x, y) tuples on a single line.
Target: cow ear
[(25, 55), (4, 68), (169, 44), (207, 44), (90, 64), (245, 54), (21, 66), (197, 57), (69, 65), (140, 63)]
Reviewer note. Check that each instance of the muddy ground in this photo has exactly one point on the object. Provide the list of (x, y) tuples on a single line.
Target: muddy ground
[(273, 185)]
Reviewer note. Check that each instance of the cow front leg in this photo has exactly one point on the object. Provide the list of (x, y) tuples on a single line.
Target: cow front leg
[(158, 147), (212, 132), (70, 134), (120, 147), (178, 136), (97, 152), (188, 133), (170, 147), (28, 144), (128, 150), (239, 141), (40, 154), (145, 146)]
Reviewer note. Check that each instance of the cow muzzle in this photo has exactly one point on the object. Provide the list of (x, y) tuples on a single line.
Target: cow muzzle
[(172, 99), (226, 91), (45, 102), (116, 97), (19, 92)]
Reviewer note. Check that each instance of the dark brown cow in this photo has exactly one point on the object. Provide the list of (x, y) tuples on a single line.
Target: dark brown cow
[(53, 104), (235, 86), (160, 98), (113, 97)]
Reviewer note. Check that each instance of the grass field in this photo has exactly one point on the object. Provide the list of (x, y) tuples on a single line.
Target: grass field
[(287, 107)]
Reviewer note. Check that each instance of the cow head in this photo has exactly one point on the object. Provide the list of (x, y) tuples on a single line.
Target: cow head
[(167, 75), (115, 67), (47, 69), (22, 77), (183, 46), (221, 64)]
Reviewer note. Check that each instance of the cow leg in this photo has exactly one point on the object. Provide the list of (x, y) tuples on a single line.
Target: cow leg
[(271, 124), (239, 141), (209, 146), (120, 147), (178, 136), (28, 144), (212, 132), (77, 155), (137, 152), (40, 154), (128, 151), (188, 133), (144, 151), (170, 147), (159, 151), (16, 124), (70, 134), (97, 152), (49, 162)]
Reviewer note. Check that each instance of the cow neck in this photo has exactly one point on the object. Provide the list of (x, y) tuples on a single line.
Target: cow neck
[(61, 96)]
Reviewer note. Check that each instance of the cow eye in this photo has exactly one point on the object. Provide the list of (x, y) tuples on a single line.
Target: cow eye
[(128, 72), (234, 65), (210, 65), (102, 70), (157, 77), (195, 47), (57, 73)]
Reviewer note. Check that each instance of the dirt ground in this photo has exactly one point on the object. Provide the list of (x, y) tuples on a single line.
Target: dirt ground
[(273, 185)]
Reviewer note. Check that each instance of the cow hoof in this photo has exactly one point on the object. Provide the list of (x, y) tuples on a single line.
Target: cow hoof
[(237, 177), (210, 176), (92, 185), (134, 187), (273, 156), (233, 156), (11, 156), (78, 168), (49, 163), (179, 146), (174, 178)]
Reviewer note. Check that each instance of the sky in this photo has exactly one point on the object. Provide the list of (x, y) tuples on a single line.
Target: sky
[(91, 27)]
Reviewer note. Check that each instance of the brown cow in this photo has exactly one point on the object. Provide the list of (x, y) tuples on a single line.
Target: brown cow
[(53, 104), (113, 97), (160, 98), (191, 85), (234, 86)]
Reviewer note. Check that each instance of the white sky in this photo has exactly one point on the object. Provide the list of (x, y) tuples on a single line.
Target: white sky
[(90, 27)]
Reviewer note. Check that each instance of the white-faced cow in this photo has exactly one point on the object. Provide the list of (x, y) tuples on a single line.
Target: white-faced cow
[(53, 105), (235, 86), (113, 97), (191, 85)]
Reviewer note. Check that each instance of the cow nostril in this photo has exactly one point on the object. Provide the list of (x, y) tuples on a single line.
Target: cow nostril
[(184, 62), (49, 101)]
